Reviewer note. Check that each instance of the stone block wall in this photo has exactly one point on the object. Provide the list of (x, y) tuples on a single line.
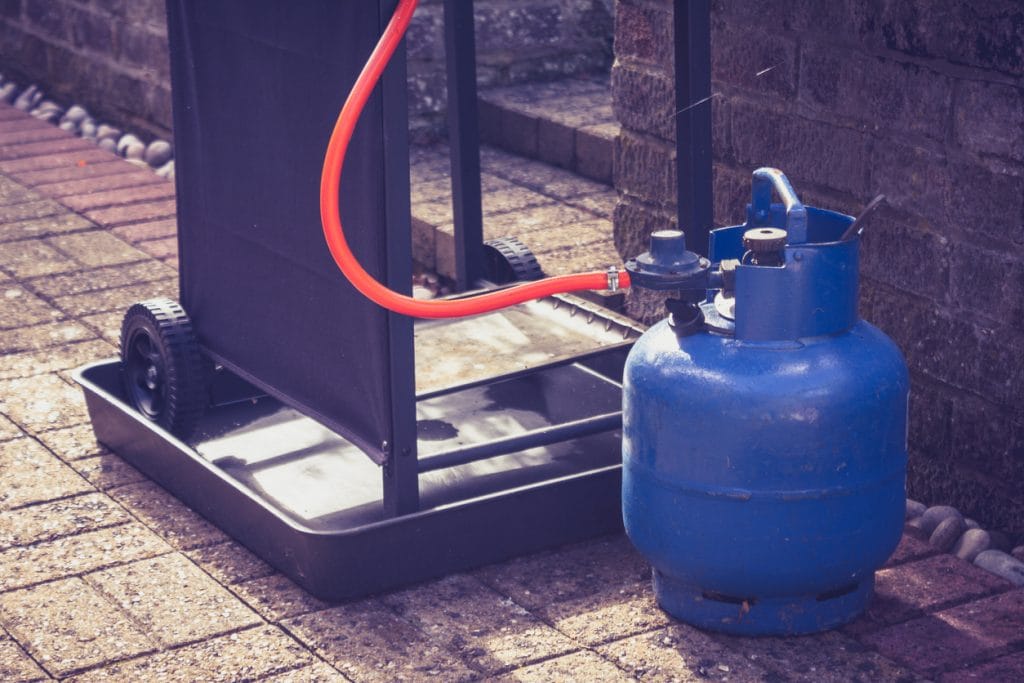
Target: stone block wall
[(111, 55), (921, 101)]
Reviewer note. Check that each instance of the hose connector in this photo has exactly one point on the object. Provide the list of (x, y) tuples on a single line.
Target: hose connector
[(613, 279)]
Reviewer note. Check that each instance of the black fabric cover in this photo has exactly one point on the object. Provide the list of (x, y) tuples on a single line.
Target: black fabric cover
[(257, 86)]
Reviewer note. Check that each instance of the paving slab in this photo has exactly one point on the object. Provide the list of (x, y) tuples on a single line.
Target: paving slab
[(78, 554), (133, 213), (150, 230), (108, 471), (97, 248), (109, 277), (680, 653), (244, 656), (276, 597), (72, 443), (914, 588), (41, 227), (817, 658), (43, 336), (67, 626), (320, 672), (366, 641), (115, 300), (578, 666), (61, 358), (172, 600), (20, 308), (42, 402), (1008, 668), (12, 193), (55, 519), (40, 208), (488, 631), (979, 630), (167, 516), (94, 198), (107, 166), (31, 474), (230, 563), (15, 664), (8, 430), (104, 183), (31, 258)]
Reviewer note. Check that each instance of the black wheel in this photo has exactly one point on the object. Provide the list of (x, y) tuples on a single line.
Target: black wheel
[(164, 372), (508, 260)]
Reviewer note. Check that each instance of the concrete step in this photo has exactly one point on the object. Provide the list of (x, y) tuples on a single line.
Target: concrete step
[(567, 123), (564, 219)]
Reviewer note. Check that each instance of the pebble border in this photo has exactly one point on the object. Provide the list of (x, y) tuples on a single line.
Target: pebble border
[(157, 154), (949, 531)]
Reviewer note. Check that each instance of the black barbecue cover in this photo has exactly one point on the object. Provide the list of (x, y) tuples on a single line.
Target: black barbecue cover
[(257, 85)]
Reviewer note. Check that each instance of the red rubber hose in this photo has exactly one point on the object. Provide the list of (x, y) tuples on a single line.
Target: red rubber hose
[(335, 235)]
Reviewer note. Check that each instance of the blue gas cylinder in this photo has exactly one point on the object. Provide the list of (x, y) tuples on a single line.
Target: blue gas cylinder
[(764, 435)]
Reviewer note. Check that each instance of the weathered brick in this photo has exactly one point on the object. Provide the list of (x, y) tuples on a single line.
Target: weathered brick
[(895, 253), (987, 439), (644, 100), (20, 168), (633, 224), (764, 62), (644, 33), (9, 135), (986, 203), (645, 167), (850, 84), (909, 550), (40, 227), (989, 118), (807, 150), (594, 151), (991, 281), (930, 419)]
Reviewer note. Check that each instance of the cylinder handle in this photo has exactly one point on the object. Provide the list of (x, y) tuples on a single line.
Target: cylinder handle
[(767, 179)]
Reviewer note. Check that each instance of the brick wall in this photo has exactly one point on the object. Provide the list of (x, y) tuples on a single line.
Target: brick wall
[(111, 55), (921, 101)]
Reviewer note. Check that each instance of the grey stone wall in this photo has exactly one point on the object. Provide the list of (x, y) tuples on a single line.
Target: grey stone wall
[(111, 55), (921, 101)]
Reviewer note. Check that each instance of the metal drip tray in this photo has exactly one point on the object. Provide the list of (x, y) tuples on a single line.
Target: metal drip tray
[(311, 502)]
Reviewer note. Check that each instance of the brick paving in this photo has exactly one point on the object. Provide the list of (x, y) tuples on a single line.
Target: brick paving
[(104, 576)]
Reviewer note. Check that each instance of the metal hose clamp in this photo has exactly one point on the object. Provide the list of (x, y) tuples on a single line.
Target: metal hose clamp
[(613, 279)]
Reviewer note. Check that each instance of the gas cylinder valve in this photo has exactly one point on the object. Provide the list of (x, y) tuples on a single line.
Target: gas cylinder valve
[(669, 266)]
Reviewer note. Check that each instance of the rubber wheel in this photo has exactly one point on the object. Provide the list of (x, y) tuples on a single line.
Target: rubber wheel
[(163, 368), (506, 259)]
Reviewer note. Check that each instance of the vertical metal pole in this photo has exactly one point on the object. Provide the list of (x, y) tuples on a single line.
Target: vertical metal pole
[(464, 141), (692, 19), (400, 471)]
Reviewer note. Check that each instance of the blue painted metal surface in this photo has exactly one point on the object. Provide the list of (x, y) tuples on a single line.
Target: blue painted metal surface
[(765, 460)]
